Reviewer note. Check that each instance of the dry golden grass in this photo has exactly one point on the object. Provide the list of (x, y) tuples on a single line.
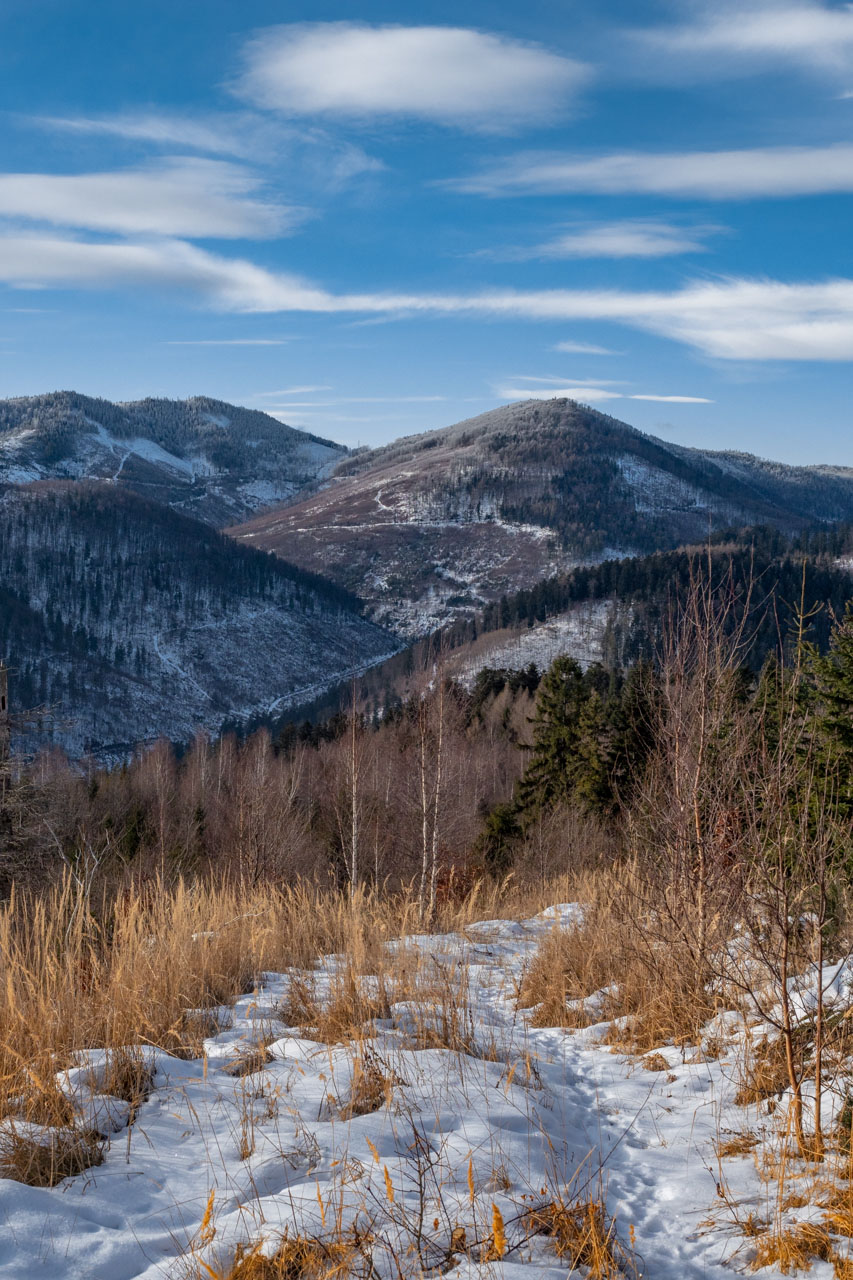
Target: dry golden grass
[(741, 1144), (439, 1012), (125, 972), (299, 1258), (40, 1101), (372, 1085), (795, 1199), (837, 1201), (563, 969), (640, 973), (43, 1158), (841, 1221), (126, 1075), (450, 1026), (344, 1016), (583, 1236), (792, 1248), (764, 1071), (250, 1062)]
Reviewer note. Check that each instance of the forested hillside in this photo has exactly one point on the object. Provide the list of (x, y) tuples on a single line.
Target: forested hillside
[(615, 612), (435, 526), (124, 620), (213, 460)]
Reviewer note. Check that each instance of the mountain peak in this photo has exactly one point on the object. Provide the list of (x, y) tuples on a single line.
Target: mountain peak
[(217, 461), (436, 525)]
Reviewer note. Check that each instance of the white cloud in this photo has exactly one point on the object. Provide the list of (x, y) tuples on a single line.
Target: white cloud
[(339, 400), (583, 349), (291, 391), (710, 175), (178, 197), (219, 135), (674, 399), (598, 382), (447, 75), (630, 238), (729, 319), (591, 395), (226, 342), (737, 37), (310, 151)]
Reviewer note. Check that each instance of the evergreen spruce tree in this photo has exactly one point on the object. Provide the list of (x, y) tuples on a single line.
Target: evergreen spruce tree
[(550, 776), (833, 709)]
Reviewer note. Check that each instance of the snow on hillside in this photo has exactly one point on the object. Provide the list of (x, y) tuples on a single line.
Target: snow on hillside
[(461, 1146), (578, 633), (124, 621), (656, 491), (216, 461)]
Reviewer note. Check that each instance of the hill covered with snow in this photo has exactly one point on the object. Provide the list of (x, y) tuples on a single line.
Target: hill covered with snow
[(213, 460)]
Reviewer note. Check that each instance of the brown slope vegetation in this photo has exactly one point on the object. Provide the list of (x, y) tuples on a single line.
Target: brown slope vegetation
[(432, 526)]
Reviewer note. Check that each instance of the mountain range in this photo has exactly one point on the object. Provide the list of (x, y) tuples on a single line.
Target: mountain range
[(175, 565), (434, 526)]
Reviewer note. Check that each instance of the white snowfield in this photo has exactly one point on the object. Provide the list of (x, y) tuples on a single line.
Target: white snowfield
[(525, 1115)]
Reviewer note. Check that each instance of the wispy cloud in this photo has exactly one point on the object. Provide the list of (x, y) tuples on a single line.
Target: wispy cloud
[(560, 382), (573, 348), (226, 342), (589, 394), (311, 152), (710, 175), (446, 75), (729, 38), (175, 197), (629, 238), (732, 319), (341, 400), (235, 135), (673, 399), (291, 391)]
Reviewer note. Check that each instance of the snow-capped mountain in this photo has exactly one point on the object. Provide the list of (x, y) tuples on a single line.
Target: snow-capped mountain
[(436, 525), (213, 460), (122, 621)]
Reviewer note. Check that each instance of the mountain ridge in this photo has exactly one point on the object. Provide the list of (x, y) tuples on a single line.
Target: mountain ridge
[(433, 526), (210, 459)]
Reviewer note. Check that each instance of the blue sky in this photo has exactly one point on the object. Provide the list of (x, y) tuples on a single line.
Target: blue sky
[(376, 220)]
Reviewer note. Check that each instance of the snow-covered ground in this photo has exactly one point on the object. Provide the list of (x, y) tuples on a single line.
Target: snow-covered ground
[(214, 1159), (578, 633)]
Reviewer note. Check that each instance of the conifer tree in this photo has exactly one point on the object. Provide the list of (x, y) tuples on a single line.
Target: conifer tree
[(557, 732), (833, 712)]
